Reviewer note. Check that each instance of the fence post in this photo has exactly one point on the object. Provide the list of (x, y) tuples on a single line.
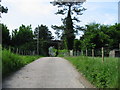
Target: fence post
[(17, 51), (24, 52), (78, 53), (30, 53), (92, 52), (13, 50), (73, 53), (9, 49), (86, 52), (33, 52), (81, 52), (119, 46), (21, 52), (102, 54)]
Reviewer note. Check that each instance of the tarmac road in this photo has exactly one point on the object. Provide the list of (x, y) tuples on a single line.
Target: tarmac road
[(47, 72)]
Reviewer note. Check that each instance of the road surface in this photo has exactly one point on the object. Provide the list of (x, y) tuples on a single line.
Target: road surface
[(47, 72)]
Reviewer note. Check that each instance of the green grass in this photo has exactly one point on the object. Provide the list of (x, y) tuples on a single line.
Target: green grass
[(100, 74), (12, 62)]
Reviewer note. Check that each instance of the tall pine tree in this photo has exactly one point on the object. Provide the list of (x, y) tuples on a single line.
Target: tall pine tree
[(72, 9)]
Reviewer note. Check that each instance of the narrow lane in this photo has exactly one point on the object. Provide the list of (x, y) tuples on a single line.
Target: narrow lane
[(48, 72)]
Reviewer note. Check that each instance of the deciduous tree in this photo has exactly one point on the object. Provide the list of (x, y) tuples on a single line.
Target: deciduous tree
[(21, 36), (5, 35)]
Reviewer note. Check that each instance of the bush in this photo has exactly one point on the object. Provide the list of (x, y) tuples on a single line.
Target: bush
[(63, 53)]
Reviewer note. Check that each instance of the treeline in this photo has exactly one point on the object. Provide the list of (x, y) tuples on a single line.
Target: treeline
[(25, 39), (97, 36)]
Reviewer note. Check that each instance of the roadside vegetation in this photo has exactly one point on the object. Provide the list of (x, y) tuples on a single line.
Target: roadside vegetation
[(12, 62), (95, 37), (101, 74), (62, 53)]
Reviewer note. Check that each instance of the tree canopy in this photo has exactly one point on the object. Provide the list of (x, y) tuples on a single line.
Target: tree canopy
[(22, 36), (44, 33), (5, 35), (97, 36), (3, 9)]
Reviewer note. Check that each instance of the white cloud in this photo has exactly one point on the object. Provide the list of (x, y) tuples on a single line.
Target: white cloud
[(104, 13), (28, 7), (29, 12)]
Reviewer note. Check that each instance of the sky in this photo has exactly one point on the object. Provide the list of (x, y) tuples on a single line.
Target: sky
[(37, 12)]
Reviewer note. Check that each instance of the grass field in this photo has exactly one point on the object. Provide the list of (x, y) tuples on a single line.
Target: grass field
[(100, 74), (12, 62)]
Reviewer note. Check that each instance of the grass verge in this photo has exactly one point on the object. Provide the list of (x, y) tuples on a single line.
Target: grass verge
[(101, 74), (12, 62)]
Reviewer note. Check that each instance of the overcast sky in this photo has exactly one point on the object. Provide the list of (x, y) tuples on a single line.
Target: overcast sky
[(37, 12)]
